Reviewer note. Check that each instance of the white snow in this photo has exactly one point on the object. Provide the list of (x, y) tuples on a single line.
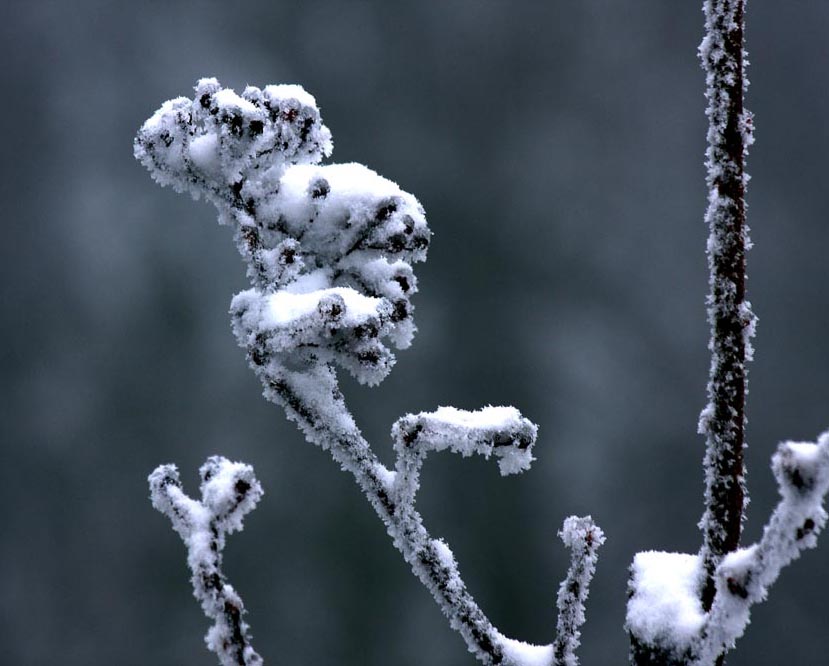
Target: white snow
[(285, 308), (310, 282), (486, 417), (351, 181), (204, 152), (288, 91), (806, 453), (501, 431), (447, 558), (226, 98), (665, 608), (387, 477), (526, 654)]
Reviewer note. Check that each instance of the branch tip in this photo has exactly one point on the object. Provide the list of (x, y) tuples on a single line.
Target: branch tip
[(229, 491), (583, 538)]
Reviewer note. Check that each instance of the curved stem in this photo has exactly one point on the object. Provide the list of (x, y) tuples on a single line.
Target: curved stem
[(429, 558)]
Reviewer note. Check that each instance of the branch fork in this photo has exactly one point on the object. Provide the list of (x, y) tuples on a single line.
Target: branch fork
[(228, 492), (691, 609)]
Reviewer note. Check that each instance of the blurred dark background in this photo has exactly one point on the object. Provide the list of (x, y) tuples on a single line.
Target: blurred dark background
[(558, 150)]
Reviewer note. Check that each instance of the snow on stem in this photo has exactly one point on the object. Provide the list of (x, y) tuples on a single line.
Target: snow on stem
[(584, 538), (317, 407), (228, 491), (665, 616), (732, 322), (744, 576), (501, 431)]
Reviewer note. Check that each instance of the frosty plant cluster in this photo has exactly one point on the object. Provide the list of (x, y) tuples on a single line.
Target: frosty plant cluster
[(329, 252)]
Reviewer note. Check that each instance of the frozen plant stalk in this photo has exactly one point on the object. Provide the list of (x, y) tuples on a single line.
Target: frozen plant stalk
[(329, 252), (691, 609), (745, 575), (228, 492), (729, 313), (583, 537)]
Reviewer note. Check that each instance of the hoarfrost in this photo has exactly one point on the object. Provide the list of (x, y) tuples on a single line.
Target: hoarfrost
[(583, 538), (665, 611), (744, 576), (501, 431), (329, 252), (228, 492), (731, 321)]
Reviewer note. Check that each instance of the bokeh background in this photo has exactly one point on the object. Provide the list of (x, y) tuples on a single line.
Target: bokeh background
[(557, 147)]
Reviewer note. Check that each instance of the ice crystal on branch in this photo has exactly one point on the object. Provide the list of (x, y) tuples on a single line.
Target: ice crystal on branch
[(690, 609), (584, 538), (228, 492)]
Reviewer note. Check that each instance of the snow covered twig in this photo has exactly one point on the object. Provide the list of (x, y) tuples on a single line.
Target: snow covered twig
[(501, 431), (687, 609), (583, 537), (730, 133), (665, 615), (315, 404), (228, 492), (744, 576), (330, 251)]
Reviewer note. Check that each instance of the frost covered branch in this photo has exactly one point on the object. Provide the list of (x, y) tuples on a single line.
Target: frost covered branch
[(665, 613), (729, 313), (671, 592), (690, 609), (583, 537), (329, 251), (228, 492), (744, 576), (315, 404), (501, 431)]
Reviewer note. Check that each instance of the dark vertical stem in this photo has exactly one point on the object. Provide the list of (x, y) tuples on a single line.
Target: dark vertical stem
[(583, 537), (729, 315)]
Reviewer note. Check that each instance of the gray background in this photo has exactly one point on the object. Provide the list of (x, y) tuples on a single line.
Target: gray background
[(557, 147)]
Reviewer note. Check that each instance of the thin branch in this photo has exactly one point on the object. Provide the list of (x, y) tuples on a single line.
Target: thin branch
[(229, 491), (665, 617), (308, 403), (744, 576), (729, 314), (584, 538), (499, 431)]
